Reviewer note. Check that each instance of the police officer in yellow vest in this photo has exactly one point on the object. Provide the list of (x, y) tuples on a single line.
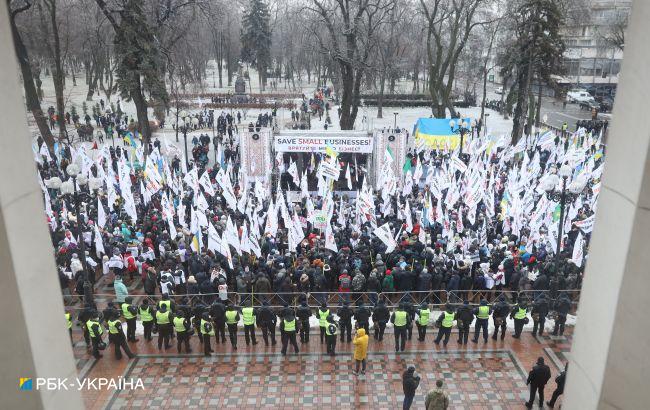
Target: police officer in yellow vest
[(423, 321), (164, 323), (207, 331), (288, 327), (518, 313), (147, 314), (171, 306), (446, 323), (482, 314), (232, 318), (68, 319), (249, 315), (95, 331), (130, 313), (323, 313), (182, 326), (117, 338), (400, 319), (331, 330)]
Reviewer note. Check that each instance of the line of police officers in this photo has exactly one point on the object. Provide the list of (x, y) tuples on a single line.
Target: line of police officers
[(182, 321)]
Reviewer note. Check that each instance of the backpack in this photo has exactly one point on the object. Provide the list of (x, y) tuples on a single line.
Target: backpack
[(388, 284), (358, 282), (345, 282)]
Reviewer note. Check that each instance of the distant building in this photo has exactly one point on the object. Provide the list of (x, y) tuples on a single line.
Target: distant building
[(594, 48)]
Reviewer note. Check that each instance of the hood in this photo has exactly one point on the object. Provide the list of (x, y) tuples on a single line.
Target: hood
[(361, 332)]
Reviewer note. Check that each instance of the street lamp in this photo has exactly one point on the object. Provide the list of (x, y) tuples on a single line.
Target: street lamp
[(69, 187), (184, 123), (570, 192), (395, 121), (462, 129)]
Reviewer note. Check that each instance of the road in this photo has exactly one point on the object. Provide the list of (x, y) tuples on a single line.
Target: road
[(556, 114)]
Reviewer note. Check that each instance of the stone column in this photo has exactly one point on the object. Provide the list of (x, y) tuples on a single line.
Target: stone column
[(33, 340), (610, 358)]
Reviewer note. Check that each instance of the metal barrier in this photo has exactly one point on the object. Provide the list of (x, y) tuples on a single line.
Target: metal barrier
[(436, 298)]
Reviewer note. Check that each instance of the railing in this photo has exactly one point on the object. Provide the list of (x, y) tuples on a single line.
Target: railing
[(436, 298)]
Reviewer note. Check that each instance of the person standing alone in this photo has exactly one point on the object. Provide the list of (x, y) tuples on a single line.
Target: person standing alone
[(537, 379), (410, 383), (360, 343)]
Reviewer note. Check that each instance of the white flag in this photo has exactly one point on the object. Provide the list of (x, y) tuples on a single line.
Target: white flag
[(99, 243), (206, 183), (348, 177), (385, 235), (330, 242), (578, 252), (101, 214)]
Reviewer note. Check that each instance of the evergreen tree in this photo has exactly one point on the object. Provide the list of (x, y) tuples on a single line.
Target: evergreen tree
[(256, 38), (537, 53), (139, 61)]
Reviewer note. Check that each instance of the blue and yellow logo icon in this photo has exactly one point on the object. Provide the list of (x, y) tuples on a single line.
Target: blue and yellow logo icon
[(25, 383)]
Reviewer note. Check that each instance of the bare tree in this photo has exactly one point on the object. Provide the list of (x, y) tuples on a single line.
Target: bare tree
[(31, 95), (352, 28), (449, 24)]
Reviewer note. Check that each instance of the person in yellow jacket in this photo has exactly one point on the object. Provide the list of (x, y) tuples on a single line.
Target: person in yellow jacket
[(360, 343)]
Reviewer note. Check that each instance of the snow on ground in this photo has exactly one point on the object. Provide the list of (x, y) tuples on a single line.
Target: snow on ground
[(366, 118)]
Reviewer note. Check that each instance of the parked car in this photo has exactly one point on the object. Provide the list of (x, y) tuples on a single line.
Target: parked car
[(605, 103), (579, 95), (498, 90), (589, 105)]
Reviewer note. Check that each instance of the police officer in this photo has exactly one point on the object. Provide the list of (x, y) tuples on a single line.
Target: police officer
[(130, 313), (68, 320), (518, 313), (117, 338), (206, 330), (423, 321), (331, 331), (323, 313), (182, 326), (249, 314), (163, 321), (411, 309), (380, 316), (232, 318), (171, 306), (267, 320), (304, 313), (83, 317), (464, 318), (499, 316), (109, 312), (147, 313), (362, 317), (446, 322), (218, 313), (197, 313), (345, 321), (561, 307), (95, 332), (400, 320), (482, 313), (539, 312), (288, 333)]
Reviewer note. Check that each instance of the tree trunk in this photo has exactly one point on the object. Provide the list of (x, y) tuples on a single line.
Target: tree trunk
[(485, 76), (380, 102), (538, 119), (31, 96), (143, 118), (521, 109), (347, 98), (57, 75)]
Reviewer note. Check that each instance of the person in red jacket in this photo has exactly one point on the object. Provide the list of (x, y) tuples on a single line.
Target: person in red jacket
[(345, 282)]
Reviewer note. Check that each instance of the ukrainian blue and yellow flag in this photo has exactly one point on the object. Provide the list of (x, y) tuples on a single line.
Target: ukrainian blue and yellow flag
[(129, 138), (437, 134)]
